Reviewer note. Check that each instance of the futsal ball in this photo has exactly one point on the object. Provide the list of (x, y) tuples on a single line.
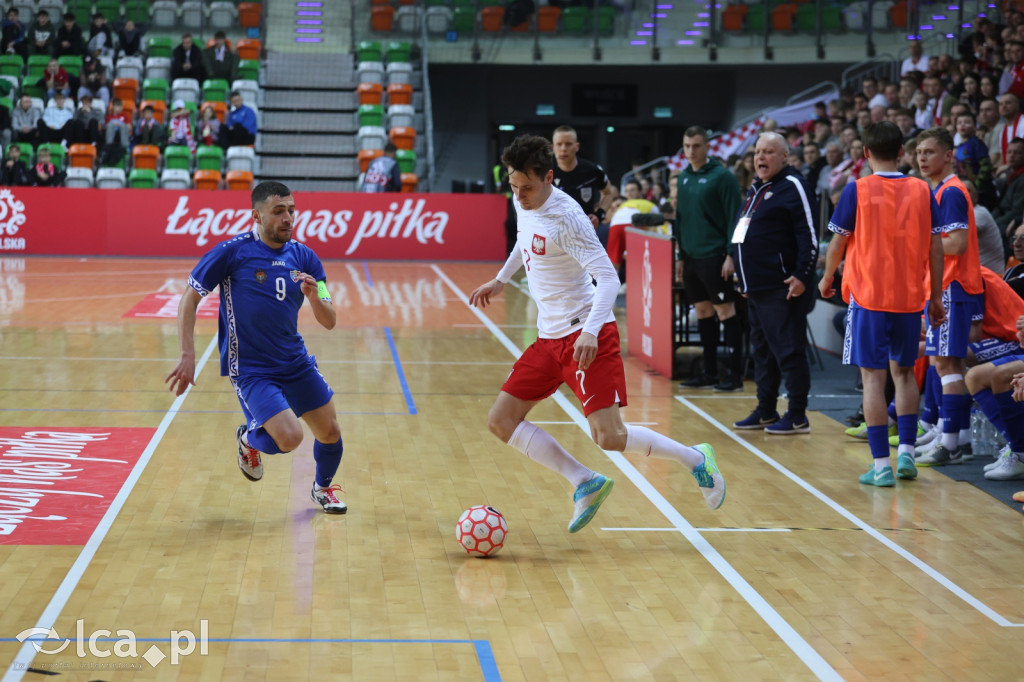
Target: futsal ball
[(481, 531)]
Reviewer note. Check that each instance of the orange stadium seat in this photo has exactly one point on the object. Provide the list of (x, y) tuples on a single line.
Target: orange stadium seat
[(492, 19), (399, 93), (365, 156), (733, 16), (239, 179), (126, 89), (129, 107), (382, 17), (547, 18), (898, 14), (220, 109), (370, 93), (82, 155), (145, 156), (784, 18), (249, 48), (206, 179), (159, 108), (409, 182), (249, 14), (403, 137)]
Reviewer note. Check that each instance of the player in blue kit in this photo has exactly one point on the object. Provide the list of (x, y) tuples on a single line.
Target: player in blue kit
[(264, 277)]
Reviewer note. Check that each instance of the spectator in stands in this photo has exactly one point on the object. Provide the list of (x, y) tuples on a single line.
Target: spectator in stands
[(179, 130), (834, 159), (972, 161), (14, 172), (149, 130), (5, 127), (908, 164), (240, 127), (776, 252), (101, 39), (908, 86), (89, 124), (813, 163), (847, 136), (187, 60), (25, 121), (905, 122), (69, 38), (129, 39), (1011, 182), (208, 128), (13, 34), (118, 124), (1014, 275), (969, 93), (1013, 126), (55, 125), (988, 86), (44, 173), (94, 81), (924, 115), (990, 237), (218, 59), (55, 78), (917, 61), (823, 131), (939, 101), (869, 87), (383, 173), (954, 114), (1012, 78), (41, 35), (990, 123)]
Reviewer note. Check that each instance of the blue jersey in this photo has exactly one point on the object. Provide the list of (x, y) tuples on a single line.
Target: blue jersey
[(260, 299)]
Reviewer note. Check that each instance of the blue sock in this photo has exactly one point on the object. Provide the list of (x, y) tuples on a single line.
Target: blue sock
[(990, 406), (954, 407), (328, 459), (262, 441), (932, 397), (892, 411), (1013, 419), (878, 441), (907, 426)]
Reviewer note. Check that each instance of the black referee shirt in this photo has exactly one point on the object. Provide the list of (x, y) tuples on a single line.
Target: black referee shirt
[(583, 183)]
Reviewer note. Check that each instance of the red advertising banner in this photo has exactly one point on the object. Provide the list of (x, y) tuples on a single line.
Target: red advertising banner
[(165, 307), (140, 222), (57, 483), (650, 270)]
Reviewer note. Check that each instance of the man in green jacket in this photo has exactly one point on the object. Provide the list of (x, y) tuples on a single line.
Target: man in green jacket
[(707, 202)]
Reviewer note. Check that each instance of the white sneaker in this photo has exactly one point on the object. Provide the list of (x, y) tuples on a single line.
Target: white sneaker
[(248, 457), (1009, 469), (327, 499), (928, 448), (928, 437), (1003, 454)]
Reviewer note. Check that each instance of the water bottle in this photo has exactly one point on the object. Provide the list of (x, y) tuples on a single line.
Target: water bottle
[(978, 421)]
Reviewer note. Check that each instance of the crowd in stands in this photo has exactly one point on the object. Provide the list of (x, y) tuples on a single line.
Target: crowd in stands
[(59, 88)]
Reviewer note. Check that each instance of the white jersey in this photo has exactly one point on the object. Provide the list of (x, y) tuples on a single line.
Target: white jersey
[(557, 244)]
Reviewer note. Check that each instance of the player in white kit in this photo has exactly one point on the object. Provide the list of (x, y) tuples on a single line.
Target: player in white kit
[(578, 340)]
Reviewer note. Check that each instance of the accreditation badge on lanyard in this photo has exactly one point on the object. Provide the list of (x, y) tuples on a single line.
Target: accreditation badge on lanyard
[(740, 233)]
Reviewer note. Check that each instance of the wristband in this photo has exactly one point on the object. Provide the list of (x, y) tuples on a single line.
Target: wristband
[(321, 290)]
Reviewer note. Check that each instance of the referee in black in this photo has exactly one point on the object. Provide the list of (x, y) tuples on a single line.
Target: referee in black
[(583, 180)]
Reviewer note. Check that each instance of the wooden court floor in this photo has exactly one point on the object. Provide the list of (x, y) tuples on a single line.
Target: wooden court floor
[(124, 519)]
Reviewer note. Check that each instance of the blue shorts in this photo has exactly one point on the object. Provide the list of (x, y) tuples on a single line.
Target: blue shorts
[(262, 397), (990, 350), (1007, 359), (951, 339), (873, 338)]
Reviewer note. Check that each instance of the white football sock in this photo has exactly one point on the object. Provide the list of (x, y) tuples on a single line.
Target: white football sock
[(641, 440), (538, 445)]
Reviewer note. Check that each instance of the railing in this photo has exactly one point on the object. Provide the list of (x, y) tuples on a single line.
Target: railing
[(428, 110)]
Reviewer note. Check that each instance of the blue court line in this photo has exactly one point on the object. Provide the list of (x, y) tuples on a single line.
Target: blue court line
[(366, 271), (484, 653), (401, 374)]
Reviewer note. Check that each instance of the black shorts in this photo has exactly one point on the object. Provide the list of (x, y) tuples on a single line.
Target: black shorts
[(702, 278)]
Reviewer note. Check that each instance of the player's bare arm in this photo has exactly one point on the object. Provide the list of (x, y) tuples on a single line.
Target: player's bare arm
[(323, 309), (481, 296), (184, 372)]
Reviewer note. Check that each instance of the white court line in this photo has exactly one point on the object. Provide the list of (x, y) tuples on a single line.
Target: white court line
[(707, 530), (852, 518), (637, 423), (77, 570), (506, 326), (797, 644)]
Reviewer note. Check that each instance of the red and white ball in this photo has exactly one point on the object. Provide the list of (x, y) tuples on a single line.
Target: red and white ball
[(481, 531)]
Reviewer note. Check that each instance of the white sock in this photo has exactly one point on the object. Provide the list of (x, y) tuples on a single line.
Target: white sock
[(641, 440), (905, 449), (538, 445), (881, 463), (950, 440), (965, 437)]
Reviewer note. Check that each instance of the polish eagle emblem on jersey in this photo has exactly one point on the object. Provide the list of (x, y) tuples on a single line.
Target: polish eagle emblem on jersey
[(261, 276), (539, 245), (295, 275)]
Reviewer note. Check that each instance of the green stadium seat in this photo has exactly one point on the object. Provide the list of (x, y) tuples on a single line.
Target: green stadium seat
[(832, 18), (606, 20), (57, 153), (807, 17), (216, 90), (464, 20), (33, 90), (137, 11), (27, 151), (576, 20), (143, 178), (7, 102), (178, 156), (398, 51), (82, 9), (159, 46), (756, 19), (249, 69), (155, 88), (36, 66), (209, 158), (71, 63), (406, 160), (435, 3), (12, 65), (370, 115), (110, 9), (368, 51), (465, 3)]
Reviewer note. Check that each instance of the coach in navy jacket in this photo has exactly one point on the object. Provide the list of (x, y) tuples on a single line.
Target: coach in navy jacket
[(775, 263)]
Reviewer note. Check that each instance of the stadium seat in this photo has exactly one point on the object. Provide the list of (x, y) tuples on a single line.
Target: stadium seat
[(159, 108), (382, 18), (7, 102), (831, 18), (36, 65), (784, 18), (209, 158), (110, 178), (880, 15), (401, 115), (733, 17), (215, 90), (370, 93), (605, 20), (165, 14), (57, 153), (756, 19), (365, 156), (71, 63), (82, 9), (192, 14), (464, 19), (155, 88), (397, 51), (12, 65), (175, 178), (399, 93), (370, 72), (576, 20), (399, 72), (145, 156), (547, 18), (369, 51), (186, 89), (406, 159), (136, 10), (178, 157), (78, 178), (403, 137), (409, 182), (223, 15), (249, 90), (220, 109), (241, 158), (111, 9), (897, 14), (158, 67), (27, 151), (206, 179), (492, 19), (249, 70), (250, 14), (249, 48), (159, 46), (370, 137), (126, 89), (82, 156), (370, 115), (239, 179), (55, 8), (439, 19), (143, 178), (407, 19)]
